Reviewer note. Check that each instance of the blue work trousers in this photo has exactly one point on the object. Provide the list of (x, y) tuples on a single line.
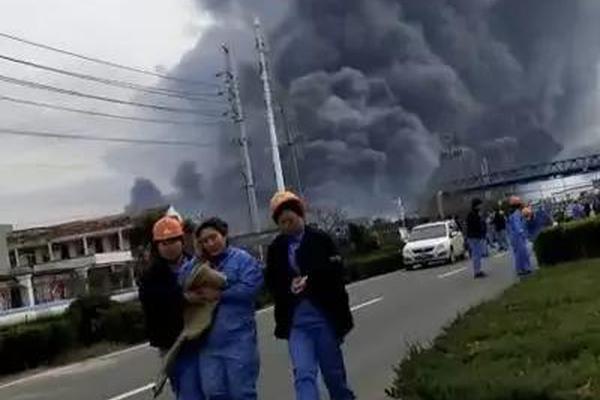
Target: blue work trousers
[(185, 377), (314, 345), (477, 248)]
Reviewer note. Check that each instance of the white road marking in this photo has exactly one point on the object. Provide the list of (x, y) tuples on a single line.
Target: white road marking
[(151, 385), (448, 274), (366, 304), (74, 367), (133, 392)]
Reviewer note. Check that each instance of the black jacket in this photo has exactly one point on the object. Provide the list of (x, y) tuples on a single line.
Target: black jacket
[(499, 221), (162, 301), (319, 259), (476, 228)]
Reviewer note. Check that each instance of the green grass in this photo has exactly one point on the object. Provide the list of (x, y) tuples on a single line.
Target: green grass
[(540, 340)]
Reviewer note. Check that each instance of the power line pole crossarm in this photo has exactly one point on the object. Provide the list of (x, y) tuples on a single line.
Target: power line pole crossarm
[(235, 101), (261, 47)]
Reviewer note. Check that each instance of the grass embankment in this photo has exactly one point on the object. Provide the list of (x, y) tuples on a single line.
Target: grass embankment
[(540, 340)]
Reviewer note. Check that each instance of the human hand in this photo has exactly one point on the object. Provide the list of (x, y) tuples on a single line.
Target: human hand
[(299, 284)]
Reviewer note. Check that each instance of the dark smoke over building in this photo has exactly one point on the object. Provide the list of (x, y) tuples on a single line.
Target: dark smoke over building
[(374, 87)]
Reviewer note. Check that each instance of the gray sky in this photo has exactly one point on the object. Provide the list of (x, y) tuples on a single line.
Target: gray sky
[(44, 181)]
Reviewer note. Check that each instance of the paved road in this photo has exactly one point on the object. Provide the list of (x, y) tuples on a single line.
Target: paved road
[(391, 312)]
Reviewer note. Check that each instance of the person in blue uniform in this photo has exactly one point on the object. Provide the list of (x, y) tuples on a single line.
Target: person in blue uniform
[(518, 234), (163, 298), (229, 361), (312, 312), (476, 237)]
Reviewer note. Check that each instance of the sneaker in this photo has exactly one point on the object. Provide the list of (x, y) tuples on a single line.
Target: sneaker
[(480, 275)]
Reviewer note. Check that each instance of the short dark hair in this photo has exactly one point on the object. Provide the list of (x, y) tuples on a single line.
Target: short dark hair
[(476, 203), (215, 223), (291, 205)]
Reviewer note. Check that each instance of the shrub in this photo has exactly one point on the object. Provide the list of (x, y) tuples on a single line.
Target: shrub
[(34, 344), (122, 323), (569, 242), (85, 314), (377, 263)]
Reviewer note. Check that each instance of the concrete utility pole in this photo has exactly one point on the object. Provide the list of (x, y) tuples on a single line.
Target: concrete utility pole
[(237, 115), (291, 142), (261, 47)]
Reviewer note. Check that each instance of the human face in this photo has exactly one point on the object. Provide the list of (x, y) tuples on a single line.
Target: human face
[(211, 242), (290, 223), (171, 249)]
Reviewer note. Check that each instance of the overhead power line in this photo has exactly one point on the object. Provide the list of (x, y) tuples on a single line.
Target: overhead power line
[(107, 115), (192, 96), (94, 138), (108, 63), (41, 86)]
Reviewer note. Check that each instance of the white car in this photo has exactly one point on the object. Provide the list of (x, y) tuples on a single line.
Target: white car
[(439, 242)]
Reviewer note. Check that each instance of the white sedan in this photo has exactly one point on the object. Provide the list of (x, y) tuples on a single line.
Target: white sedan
[(439, 242)]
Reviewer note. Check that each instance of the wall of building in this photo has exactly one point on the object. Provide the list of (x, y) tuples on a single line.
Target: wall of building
[(4, 257)]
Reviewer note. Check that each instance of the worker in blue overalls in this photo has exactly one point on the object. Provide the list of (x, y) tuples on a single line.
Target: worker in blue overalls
[(229, 360), (306, 279), (519, 237)]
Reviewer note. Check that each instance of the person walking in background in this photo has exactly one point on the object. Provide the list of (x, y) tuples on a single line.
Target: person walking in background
[(229, 361), (517, 231), (305, 276), (476, 237), (499, 225), (163, 300)]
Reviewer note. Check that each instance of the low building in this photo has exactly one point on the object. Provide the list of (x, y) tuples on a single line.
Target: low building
[(48, 264)]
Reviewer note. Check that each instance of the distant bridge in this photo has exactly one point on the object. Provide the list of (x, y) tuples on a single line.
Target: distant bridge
[(525, 174)]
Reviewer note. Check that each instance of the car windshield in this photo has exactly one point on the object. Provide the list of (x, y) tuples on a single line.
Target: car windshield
[(428, 232)]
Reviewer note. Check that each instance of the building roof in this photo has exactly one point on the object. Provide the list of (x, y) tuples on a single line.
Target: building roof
[(40, 235)]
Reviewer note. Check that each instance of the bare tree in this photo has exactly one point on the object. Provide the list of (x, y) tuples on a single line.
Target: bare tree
[(331, 220)]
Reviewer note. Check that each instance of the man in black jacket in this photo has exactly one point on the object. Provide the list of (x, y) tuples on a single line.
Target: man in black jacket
[(312, 311), (476, 234)]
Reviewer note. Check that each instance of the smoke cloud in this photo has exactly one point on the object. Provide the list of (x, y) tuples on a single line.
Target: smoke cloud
[(375, 87)]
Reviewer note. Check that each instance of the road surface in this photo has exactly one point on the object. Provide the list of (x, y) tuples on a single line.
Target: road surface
[(391, 312)]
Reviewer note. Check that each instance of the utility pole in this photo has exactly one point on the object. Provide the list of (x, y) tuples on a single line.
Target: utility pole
[(291, 143), (237, 115), (261, 47)]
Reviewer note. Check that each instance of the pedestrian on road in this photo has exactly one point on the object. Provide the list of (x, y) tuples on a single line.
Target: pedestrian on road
[(305, 276), (476, 237), (517, 231), (163, 299), (229, 360), (499, 224)]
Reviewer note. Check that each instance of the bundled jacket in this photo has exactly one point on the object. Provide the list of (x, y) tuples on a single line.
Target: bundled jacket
[(197, 316), (162, 301), (317, 258)]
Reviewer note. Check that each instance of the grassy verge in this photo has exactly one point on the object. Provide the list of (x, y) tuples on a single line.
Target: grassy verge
[(540, 340)]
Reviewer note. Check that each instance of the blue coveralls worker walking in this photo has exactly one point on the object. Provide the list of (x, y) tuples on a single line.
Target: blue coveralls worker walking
[(229, 361), (162, 299), (312, 311), (518, 234), (476, 237)]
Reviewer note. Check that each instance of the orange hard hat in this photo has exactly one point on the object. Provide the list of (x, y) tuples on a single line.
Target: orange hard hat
[(280, 198), (515, 201), (167, 228)]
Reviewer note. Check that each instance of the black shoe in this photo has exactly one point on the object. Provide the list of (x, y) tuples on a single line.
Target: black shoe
[(480, 275)]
